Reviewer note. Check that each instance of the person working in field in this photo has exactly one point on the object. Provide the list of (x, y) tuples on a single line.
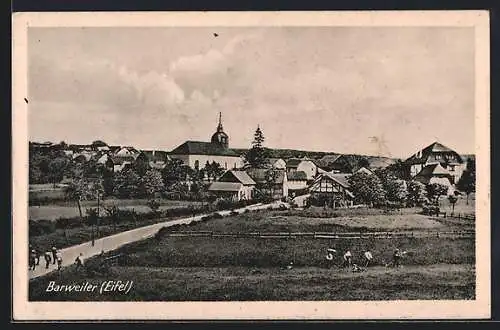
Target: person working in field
[(330, 256), (347, 259), (396, 258), (368, 258)]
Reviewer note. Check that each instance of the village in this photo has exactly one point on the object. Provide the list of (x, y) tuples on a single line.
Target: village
[(233, 175), (202, 198)]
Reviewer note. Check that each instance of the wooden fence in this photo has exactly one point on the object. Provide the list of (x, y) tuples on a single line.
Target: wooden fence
[(325, 235), (460, 216)]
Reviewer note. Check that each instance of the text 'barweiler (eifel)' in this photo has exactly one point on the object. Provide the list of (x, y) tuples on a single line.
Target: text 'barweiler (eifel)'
[(104, 287)]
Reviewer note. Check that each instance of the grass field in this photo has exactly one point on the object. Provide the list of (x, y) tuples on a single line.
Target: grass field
[(207, 268), (313, 220), (439, 281), (70, 209)]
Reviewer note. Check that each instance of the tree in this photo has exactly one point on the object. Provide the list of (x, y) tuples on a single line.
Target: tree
[(270, 176), (154, 205), (92, 220), (395, 188), (126, 183), (56, 169), (367, 189), (397, 169), (363, 162), (114, 214), (256, 156), (435, 191), (452, 199), (416, 193), (152, 182), (173, 172), (467, 182)]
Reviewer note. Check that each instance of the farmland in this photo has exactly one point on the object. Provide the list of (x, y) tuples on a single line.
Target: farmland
[(209, 268), (63, 209)]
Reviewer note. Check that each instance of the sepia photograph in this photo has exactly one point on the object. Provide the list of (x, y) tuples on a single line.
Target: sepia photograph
[(286, 159)]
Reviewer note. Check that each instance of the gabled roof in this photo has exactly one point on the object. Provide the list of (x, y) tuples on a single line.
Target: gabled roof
[(421, 156), (224, 186), (340, 178), (259, 175), (294, 162), (202, 148), (240, 176), (297, 176), (326, 160), (433, 170), (155, 155)]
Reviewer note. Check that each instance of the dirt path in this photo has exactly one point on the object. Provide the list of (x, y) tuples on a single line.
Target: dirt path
[(113, 242)]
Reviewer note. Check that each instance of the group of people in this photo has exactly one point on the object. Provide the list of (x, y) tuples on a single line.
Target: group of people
[(51, 256), (367, 259)]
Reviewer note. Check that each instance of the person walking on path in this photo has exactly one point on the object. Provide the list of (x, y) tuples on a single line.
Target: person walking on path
[(59, 260), (79, 261), (33, 259), (368, 258), (54, 254), (47, 259)]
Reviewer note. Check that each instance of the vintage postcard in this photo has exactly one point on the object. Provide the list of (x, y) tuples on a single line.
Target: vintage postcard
[(251, 165)]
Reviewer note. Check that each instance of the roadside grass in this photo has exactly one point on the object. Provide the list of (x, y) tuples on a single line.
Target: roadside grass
[(65, 209), (267, 284)]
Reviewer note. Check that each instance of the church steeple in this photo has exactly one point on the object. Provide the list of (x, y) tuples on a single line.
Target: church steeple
[(219, 127), (220, 137)]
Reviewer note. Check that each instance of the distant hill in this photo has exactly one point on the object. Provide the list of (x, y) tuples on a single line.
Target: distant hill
[(352, 159)]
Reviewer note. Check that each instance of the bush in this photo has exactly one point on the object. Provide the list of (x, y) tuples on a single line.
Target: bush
[(430, 210), (41, 227)]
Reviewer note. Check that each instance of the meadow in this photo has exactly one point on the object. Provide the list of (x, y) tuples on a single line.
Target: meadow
[(168, 268)]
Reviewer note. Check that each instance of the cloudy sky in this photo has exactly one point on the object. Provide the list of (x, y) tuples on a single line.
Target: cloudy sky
[(379, 91)]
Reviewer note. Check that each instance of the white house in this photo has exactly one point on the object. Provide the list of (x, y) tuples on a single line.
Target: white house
[(235, 185), (297, 182), (305, 165), (196, 154)]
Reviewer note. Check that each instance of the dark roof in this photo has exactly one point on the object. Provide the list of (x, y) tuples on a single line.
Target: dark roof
[(259, 175), (341, 178), (294, 162), (433, 170), (240, 176), (202, 148), (297, 176), (421, 156)]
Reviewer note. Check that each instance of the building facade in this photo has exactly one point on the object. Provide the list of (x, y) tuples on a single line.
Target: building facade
[(196, 154)]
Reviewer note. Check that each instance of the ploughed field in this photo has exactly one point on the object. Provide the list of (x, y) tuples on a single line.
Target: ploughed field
[(200, 268)]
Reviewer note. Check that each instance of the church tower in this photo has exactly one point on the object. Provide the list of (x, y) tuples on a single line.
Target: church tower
[(220, 137)]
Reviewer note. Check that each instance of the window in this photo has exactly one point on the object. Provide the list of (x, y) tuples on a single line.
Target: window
[(452, 168), (438, 156)]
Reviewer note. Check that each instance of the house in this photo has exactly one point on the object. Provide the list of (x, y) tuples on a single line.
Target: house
[(127, 152), (363, 170), (297, 183), (305, 165), (277, 163), (275, 185), (82, 157), (332, 189), (435, 173), (234, 185), (196, 154), (436, 153), (156, 159)]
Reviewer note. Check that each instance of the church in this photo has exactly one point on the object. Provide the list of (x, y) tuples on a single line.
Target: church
[(195, 154)]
